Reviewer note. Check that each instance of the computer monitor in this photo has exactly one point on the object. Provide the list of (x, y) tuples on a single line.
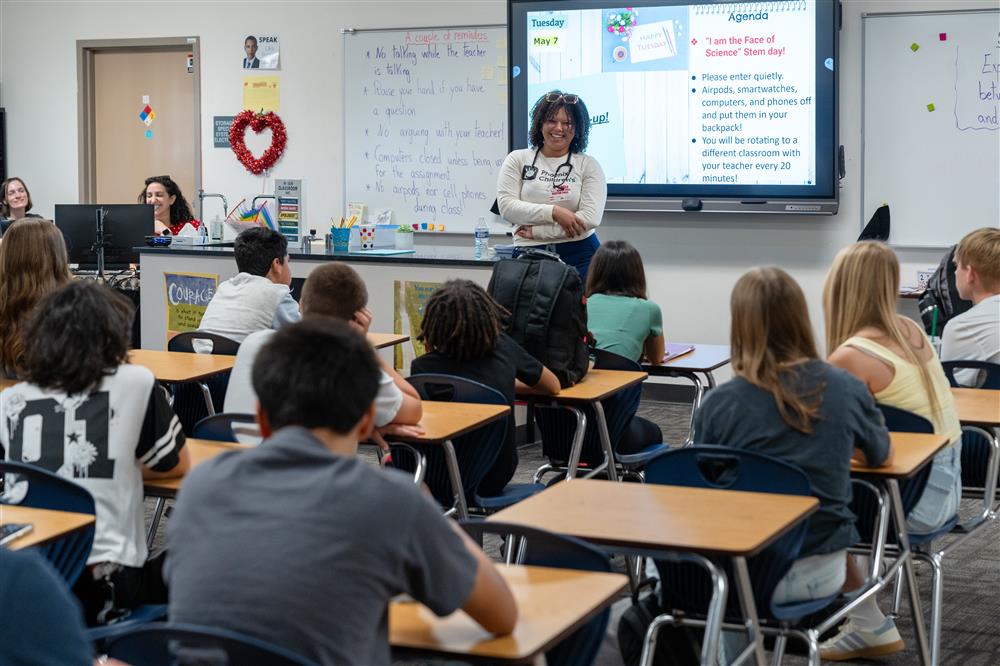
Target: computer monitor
[(125, 229)]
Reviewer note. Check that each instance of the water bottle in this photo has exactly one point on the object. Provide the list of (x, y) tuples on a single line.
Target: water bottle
[(482, 239)]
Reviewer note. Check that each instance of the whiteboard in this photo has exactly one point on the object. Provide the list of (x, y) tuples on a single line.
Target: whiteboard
[(930, 136), (425, 122)]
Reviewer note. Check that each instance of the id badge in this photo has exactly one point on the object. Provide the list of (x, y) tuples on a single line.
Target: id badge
[(529, 172)]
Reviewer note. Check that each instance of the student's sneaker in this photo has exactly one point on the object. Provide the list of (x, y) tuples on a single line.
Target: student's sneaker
[(854, 643)]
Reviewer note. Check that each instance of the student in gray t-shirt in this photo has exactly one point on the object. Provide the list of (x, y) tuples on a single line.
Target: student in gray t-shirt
[(299, 542), (786, 403)]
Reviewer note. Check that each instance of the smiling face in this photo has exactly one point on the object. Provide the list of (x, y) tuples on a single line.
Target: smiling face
[(157, 197), (16, 196), (250, 46), (557, 133)]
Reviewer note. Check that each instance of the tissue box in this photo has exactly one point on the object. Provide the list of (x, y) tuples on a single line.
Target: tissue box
[(385, 235), (190, 240)]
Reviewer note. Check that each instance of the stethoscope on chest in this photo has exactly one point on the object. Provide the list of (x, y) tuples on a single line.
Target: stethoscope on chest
[(530, 172)]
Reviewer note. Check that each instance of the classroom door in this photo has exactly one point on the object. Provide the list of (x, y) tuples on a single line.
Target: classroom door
[(127, 148)]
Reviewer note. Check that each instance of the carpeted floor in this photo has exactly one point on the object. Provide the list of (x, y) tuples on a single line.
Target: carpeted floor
[(970, 635)]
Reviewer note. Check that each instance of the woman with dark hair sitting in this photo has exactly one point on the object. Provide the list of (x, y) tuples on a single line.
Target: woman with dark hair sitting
[(86, 414), (462, 332), (552, 192), (171, 210)]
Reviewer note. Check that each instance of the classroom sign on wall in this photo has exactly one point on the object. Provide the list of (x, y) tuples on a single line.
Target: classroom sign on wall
[(408, 302), (188, 295)]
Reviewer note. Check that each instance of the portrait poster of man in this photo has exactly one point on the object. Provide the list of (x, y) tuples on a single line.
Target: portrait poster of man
[(261, 51)]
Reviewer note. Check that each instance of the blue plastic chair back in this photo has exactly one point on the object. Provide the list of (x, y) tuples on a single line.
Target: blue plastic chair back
[(476, 452), (168, 644), (556, 426), (545, 549), (900, 420), (46, 490), (189, 402), (975, 459), (686, 585), (219, 427), (991, 370)]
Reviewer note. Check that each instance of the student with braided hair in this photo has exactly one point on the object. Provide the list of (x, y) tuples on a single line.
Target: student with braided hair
[(464, 337)]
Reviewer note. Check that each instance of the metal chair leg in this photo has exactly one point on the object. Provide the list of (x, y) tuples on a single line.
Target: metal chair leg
[(576, 449), (605, 437), (207, 394)]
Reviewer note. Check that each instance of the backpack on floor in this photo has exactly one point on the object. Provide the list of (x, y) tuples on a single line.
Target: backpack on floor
[(548, 311), (942, 292), (675, 646)]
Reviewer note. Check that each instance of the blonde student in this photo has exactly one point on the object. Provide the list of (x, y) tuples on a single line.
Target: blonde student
[(974, 335), (894, 358)]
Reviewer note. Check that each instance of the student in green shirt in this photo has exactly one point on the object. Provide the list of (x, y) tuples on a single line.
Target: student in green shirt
[(619, 315), (623, 321)]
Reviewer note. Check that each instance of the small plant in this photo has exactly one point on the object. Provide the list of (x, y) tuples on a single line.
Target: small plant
[(404, 229)]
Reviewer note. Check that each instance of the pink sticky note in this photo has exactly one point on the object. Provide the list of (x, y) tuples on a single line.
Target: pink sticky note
[(943, 36)]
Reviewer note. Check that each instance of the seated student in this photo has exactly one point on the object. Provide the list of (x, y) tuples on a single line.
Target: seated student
[(332, 290), (40, 621), (33, 262), (893, 357), (975, 334), (625, 322), (787, 403), (95, 419), (463, 335), (301, 543), (258, 297)]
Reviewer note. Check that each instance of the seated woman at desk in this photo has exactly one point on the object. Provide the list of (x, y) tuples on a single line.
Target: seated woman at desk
[(15, 202), (33, 262), (171, 211), (894, 358), (787, 403)]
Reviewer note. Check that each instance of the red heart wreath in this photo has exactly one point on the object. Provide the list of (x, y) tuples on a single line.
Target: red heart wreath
[(257, 122)]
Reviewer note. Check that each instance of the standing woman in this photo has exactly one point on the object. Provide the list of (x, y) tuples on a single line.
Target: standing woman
[(552, 192), (33, 262), (15, 202), (170, 209)]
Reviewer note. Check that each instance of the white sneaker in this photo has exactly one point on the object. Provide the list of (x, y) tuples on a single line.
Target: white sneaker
[(854, 643)]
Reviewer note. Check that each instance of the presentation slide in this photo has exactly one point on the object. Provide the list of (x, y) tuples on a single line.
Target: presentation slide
[(696, 95)]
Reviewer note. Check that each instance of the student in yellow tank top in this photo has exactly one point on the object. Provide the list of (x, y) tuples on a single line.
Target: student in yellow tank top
[(893, 356)]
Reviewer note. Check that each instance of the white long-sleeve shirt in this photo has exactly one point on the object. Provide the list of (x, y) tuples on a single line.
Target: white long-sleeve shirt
[(530, 202)]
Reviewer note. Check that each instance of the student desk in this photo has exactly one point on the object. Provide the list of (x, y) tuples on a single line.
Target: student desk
[(594, 387), (179, 367), (383, 340), (911, 451), (551, 604), (444, 421), (200, 450), (648, 520), (703, 360), (47, 525), (977, 406)]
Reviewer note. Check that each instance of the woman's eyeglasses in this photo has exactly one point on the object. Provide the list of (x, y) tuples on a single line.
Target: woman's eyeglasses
[(555, 97)]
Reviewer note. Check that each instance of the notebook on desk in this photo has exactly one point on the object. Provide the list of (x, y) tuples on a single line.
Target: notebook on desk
[(674, 350)]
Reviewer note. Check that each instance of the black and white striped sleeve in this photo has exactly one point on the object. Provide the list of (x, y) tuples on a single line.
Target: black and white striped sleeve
[(162, 436)]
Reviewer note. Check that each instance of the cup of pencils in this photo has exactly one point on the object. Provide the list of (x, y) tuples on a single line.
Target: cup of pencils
[(341, 232)]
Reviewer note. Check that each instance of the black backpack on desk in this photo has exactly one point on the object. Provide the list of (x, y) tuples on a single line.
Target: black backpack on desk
[(548, 311)]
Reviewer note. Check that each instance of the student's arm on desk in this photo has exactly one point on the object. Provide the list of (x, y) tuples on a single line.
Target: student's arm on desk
[(653, 349), (161, 449), (491, 602), (547, 383), (411, 410)]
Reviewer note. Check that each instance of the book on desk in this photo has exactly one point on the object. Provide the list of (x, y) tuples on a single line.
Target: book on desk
[(674, 350)]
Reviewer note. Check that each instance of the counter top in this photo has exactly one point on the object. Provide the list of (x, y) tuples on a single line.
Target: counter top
[(436, 255)]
